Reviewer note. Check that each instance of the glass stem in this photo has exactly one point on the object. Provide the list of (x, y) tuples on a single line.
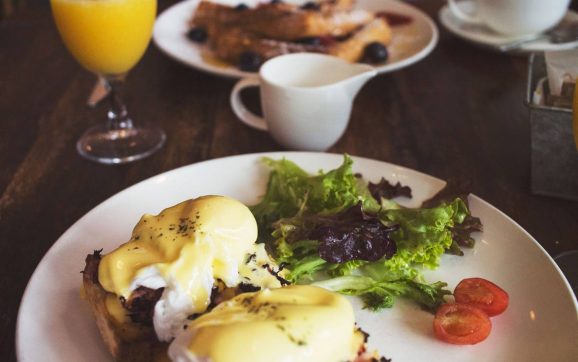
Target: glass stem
[(117, 116)]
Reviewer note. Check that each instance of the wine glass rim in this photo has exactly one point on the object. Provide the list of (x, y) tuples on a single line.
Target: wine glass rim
[(565, 253)]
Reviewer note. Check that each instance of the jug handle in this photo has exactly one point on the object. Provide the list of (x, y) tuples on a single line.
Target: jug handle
[(245, 115)]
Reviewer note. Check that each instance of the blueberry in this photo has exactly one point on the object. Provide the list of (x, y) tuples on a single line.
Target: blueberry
[(198, 35), (250, 62), (310, 5), (375, 53), (241, 7)]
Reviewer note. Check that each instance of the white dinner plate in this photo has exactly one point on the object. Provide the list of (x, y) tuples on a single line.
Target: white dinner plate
[(541, 324), (411, 42), (483, 35)]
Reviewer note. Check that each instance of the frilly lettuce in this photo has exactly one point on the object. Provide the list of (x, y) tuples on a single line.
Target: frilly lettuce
[(294, 204)]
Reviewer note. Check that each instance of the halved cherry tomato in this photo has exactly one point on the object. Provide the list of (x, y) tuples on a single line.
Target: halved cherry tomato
[(483, 294), (461, 324)]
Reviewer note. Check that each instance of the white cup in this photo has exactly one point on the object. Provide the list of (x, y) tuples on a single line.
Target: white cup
[(306, 99), (514, 17)]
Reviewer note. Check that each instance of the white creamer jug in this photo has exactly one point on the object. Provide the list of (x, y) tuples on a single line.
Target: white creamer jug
[(306, 98)]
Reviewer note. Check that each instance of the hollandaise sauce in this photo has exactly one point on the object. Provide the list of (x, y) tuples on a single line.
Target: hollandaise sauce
[(185, 249), (294, 323)]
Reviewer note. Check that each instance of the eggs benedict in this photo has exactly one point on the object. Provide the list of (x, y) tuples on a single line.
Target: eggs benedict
[(290, 324), (176, 266), (192, 285)]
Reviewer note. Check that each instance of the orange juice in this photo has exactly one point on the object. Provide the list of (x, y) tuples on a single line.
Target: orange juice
[(107, 37)]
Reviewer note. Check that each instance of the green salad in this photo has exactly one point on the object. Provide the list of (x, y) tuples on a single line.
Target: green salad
[(338, 231)]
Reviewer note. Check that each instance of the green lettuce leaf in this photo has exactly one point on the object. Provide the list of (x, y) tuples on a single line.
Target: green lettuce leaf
[(291, 190), (294, 204), (424, 234), (378, 294)]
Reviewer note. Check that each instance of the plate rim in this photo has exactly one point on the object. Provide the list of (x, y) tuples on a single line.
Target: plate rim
[(234, 73), (568, 289), (20, 350)]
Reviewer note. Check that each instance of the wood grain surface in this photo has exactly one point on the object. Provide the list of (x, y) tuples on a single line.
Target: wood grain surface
[(458, 115)]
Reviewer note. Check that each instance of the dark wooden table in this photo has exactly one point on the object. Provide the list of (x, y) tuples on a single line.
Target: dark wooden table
[(458, 115)]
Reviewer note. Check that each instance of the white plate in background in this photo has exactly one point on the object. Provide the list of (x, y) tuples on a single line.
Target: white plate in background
[(411, 42)]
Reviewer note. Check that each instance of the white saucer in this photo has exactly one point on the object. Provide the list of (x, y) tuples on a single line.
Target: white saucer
[(482, 35)]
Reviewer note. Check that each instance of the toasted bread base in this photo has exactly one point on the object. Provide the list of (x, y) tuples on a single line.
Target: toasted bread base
[(129, 342), (132, 342), (274, 29)]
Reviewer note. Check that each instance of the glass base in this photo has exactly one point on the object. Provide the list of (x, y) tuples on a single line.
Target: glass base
[(103, 145)]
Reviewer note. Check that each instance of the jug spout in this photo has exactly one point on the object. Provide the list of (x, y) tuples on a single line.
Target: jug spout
[(362, 74)]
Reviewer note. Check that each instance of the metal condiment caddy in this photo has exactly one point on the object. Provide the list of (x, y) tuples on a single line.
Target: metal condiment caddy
[(554, 158)]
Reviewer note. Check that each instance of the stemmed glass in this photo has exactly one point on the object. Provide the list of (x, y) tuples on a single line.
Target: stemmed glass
[(108, 37)]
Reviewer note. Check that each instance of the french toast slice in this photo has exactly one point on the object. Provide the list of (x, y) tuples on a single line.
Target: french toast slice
[(208, 12), (352, 49), (230, 43), (305, 24), (282, 21)]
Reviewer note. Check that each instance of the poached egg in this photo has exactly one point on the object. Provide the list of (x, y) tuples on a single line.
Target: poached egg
[(291, 324), (186, 249)]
